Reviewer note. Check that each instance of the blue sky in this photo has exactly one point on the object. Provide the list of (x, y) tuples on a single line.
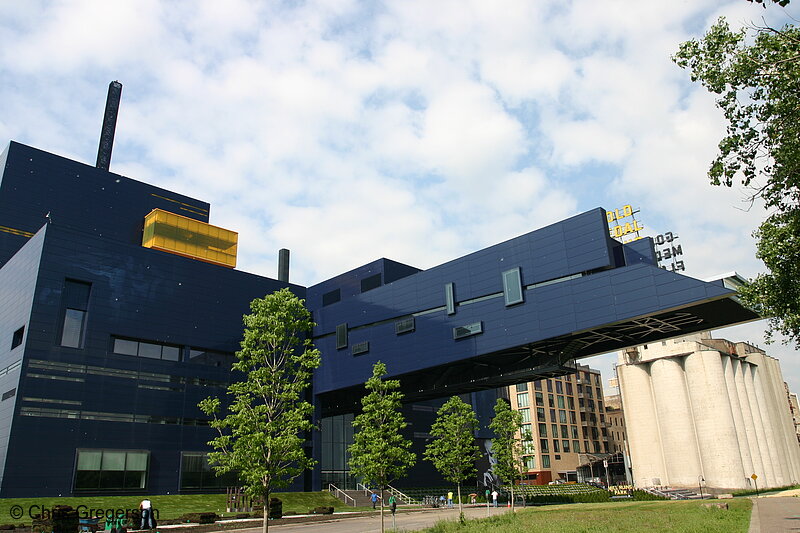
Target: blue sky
[(416, 130)]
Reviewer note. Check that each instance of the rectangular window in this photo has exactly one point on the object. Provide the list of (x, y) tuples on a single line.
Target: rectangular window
[(528, 447), (545, 461), (526, 415), (9, 394), (522, 400), (556, 446), (537, 385), (539, 398), (404, 326), (75, 302), (331, 297), (560, 402), (522, 387), (562, 416), (372, 282), (149, 350), (564, 432), (468, 330), (16, 340), (111, 470), (197, 474), (450, 298), (552, 415), (575, 432), (540, 414), (341, 336), (512, 286), (525, 431), (361, 348), (570, 402), (565, 446), (569, 389), (72, 331), (542, 430), (576, 446), (550, 400), (544, 444), (200, 356), (559, 387), (530, 463), (554, 428), (549, 385)]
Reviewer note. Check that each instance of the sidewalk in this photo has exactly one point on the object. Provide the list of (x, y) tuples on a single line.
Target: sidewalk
[(412, 520), (775, 514)]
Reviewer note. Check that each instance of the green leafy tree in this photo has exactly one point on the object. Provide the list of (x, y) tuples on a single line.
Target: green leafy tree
[(379, 453), (757, 81), (453, 450), (261, 437), (507, 443)]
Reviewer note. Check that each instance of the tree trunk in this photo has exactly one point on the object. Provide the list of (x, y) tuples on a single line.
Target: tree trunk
[(512, 495), (381, 509), (460, 505), (266, 492)]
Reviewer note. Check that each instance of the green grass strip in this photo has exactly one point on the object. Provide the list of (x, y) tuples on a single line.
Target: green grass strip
[(620, 517)]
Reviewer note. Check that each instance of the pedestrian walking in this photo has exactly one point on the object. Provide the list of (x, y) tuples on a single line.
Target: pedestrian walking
[(374, 497), (494, 497), (450, 499)]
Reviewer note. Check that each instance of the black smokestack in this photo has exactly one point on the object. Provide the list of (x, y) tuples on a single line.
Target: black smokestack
[(109, 125), (283, 265)]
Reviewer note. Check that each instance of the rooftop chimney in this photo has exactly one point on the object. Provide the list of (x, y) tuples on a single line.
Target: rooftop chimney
[(109, 125), (283, 265)]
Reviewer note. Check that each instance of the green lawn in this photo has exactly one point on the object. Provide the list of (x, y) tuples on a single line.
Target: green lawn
[(172, 506), (619, 517)]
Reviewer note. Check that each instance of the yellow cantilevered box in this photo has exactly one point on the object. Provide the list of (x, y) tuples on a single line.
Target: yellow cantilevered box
[(184, 236)]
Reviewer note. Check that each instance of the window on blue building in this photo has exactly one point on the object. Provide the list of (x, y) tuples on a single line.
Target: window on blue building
[(16, 340), (111, 469), (75, 301), (512, 286)]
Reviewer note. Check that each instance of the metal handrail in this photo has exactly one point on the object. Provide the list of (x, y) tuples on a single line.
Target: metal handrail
[(361, 486), (342, 495), (403, 496)]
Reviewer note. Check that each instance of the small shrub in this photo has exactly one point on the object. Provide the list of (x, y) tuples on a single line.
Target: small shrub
[(323, 509), (275, 508), (644, 496), (201, 518)]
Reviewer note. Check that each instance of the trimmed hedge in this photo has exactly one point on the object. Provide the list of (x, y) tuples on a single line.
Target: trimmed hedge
[(200, 518)]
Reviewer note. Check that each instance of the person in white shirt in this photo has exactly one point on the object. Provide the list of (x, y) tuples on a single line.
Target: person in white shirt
[(146, 507)]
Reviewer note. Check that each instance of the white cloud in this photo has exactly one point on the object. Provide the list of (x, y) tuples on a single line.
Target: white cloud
[(418, 131)]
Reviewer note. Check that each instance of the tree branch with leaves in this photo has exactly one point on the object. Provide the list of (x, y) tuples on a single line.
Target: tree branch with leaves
[(507, 444), (756, 74), (262, 434), (453, 450), (379, 453)]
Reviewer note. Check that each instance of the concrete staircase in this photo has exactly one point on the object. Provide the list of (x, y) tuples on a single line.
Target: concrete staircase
[(677, 494)]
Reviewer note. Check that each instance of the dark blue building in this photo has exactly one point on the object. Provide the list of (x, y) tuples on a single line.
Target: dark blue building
[(107, 346)]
